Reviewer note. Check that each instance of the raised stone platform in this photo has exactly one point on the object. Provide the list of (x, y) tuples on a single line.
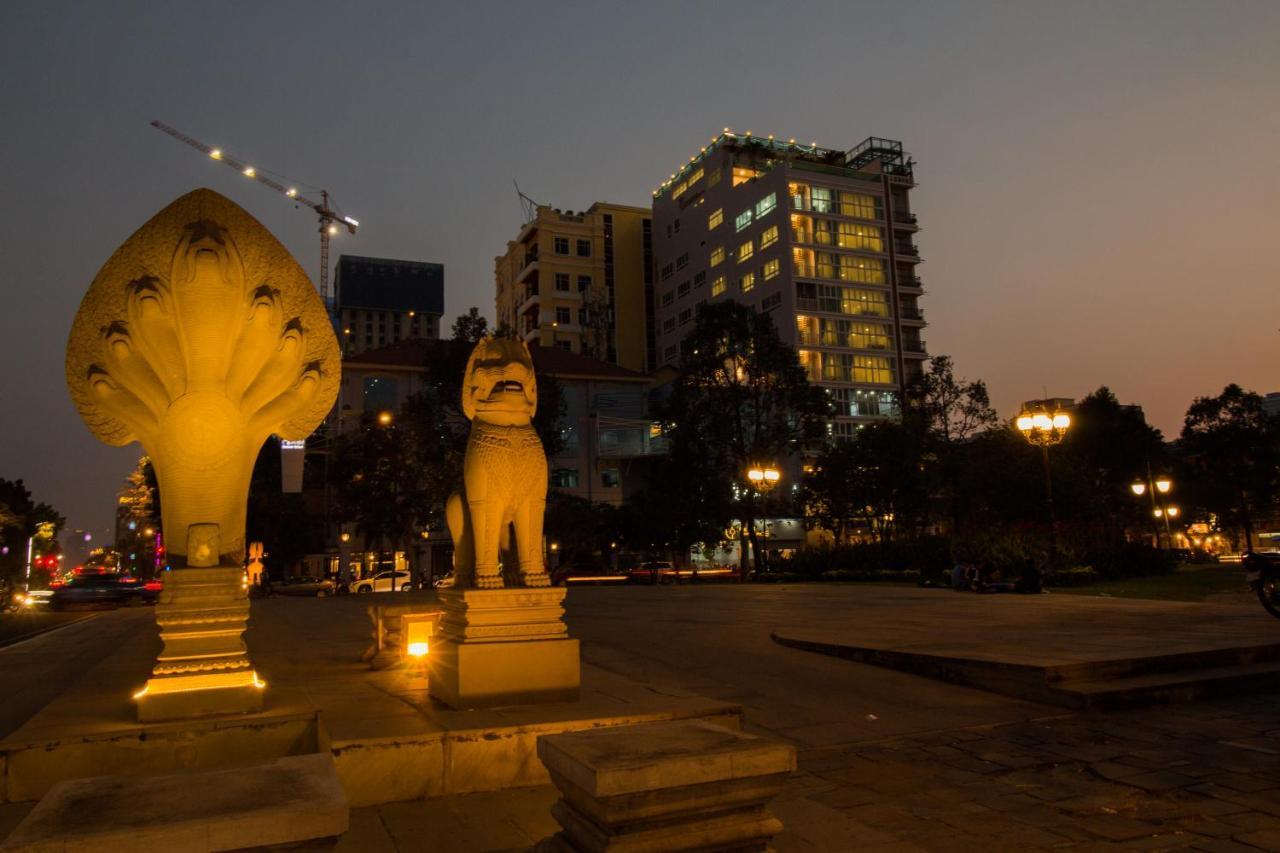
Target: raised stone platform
[(286, 801), (389, 739), (1065, 650)]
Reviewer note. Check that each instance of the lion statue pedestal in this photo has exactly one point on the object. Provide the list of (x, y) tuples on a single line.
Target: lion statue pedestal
[(502, 638)]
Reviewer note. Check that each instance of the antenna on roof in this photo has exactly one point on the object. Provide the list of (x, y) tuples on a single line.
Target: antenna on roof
[(528, 205)]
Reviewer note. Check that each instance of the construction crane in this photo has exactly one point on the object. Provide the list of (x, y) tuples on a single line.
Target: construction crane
[(330, 219)]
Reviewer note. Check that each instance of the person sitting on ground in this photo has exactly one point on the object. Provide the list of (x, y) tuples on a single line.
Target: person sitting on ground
[(960, 576), (1031, 581)]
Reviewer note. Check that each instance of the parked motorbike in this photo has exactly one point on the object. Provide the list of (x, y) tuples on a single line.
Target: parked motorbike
[(1262, 570)]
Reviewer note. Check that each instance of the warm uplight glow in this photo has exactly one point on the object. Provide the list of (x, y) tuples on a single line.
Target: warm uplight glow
[(250, 172), (1173, 511), (1139, 488), (426, 534), (1164, 484), (384, 418), (345, 537), (1157, 512), (216, 153), (291, 192), (418, 650)]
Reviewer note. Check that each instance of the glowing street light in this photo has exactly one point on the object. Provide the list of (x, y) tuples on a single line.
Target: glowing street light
[(385, 418), (1157, 487), (763, 477), (1044, 429)]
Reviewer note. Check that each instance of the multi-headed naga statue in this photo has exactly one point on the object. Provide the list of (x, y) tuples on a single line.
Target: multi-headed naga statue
[(200, 337)]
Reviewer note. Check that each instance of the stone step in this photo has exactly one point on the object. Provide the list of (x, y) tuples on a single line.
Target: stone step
[(1128, 681), (1154, 664), (1169, 687), (282, 802)]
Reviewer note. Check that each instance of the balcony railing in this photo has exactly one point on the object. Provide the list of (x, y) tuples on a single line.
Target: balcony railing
[(911, 314), (910, 281), (914, 347), (905, 217), (903, 248)]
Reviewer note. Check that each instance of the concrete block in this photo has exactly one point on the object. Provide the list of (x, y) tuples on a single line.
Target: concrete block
[(286, 801), (686, 785)]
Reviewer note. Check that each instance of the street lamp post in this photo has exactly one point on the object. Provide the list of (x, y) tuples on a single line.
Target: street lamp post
[(1154, 486), (1045, 429), (761, 479)]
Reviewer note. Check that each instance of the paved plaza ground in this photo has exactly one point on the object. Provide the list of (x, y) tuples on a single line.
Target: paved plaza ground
[(888, 760)]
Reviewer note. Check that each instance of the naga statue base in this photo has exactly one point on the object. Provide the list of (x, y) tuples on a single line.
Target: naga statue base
[(204, 667), (503, 647)]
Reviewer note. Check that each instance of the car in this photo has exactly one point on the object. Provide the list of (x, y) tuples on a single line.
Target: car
[(94, 591), (585, 573), (308, 586), (382, 582), (653, 572)]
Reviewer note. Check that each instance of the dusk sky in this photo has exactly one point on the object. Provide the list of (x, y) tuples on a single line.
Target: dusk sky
[(1099, 182)]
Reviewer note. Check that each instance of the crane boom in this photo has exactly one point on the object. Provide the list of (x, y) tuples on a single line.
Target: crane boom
[(329, 217)]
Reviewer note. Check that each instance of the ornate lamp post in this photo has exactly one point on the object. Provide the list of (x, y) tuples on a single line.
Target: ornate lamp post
[(1045, 429), (1154, 486), (761, 480)]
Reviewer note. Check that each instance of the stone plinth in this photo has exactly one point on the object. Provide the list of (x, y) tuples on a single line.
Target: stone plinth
[(204, 667), (286, 801), (503, 647), (664, 787)]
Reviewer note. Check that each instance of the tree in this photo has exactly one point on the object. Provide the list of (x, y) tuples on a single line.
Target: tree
[(471, 326), (873, 477), (951, 413), (741, 398), (137, 511), (25, 518), (1232, 448), (1108, 446)]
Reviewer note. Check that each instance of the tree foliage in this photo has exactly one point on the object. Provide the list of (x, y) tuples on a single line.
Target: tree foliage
[(741, 397), (1232, 448)]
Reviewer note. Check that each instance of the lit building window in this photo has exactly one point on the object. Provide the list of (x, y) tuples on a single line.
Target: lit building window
[(848, 235), (714, 220), (743, 220), (745, 251), (766, 205), (769, 237), (742, 174), (848, 268), (771, 268), (695, 176), (718, 286), (748, 281), (713, 178), (717, 256)]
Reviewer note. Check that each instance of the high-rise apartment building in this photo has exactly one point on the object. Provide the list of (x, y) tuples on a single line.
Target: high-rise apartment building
[(581, 282), (381, 301), (821, 238)]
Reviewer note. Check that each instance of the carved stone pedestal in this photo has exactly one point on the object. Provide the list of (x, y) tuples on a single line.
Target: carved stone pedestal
[(679, 786), (204, 667), (503, 647)]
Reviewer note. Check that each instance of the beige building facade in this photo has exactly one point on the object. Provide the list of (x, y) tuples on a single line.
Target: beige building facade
[(581, 282)]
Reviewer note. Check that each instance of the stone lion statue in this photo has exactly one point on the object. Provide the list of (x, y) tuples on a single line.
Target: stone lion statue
[(504, 473)]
